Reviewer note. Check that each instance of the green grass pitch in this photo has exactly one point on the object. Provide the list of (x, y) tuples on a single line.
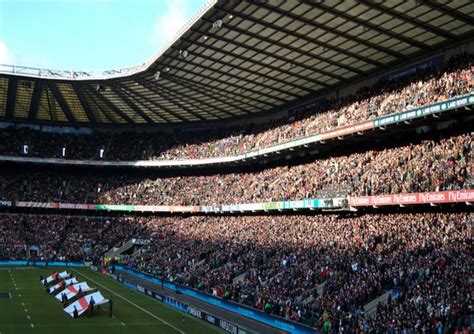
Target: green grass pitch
[(30, 310)]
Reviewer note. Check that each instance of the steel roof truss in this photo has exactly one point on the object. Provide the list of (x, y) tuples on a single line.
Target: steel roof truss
[(132, 105), (303, 37), (35, 99), (412, 20), (62, 103), (85, 104), (143, 97), (111, 106), (11, 97), (333, 30)]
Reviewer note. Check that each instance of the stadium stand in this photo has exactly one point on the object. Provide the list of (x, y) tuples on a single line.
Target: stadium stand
[(61, 238), (429, 165), (450, 79), (346, 268), (315, 269)]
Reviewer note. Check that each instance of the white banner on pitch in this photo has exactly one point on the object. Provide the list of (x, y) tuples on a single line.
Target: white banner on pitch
[(82, 304), (62, 284), (73, 290)]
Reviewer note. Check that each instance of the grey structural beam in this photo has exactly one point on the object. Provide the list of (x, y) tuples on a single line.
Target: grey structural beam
[(141, 96), (62, 103), (234, 88), (170, 96), (35, 99), (310, 53), (133, 106), (89, 98), (176, 100), (302, 37), (111, 106), (460, 16), (372, 26), (416, 22), (241, 76), (86, 106), (11, 97), (322, 27), (209, 95)]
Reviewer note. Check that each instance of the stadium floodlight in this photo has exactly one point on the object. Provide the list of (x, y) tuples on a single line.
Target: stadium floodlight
[(157, 75), (216, 25)]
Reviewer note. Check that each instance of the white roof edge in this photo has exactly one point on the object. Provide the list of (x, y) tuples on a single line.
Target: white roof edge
[(73, 75)]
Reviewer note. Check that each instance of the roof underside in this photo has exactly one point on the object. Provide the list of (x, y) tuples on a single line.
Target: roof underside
[(265, 55)]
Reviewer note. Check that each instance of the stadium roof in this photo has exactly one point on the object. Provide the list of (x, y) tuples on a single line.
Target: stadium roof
[(236, 59)]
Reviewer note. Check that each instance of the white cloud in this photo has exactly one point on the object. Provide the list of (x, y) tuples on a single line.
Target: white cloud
[(6, 56), (169, 22)]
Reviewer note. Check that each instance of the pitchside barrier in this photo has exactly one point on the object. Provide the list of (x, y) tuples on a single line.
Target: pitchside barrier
[(183, 307), (431, 198), (242, 310), (42, 263)]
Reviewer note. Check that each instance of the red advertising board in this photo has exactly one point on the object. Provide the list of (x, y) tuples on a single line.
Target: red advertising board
[(345, 130), (37, 205), (414, 198)]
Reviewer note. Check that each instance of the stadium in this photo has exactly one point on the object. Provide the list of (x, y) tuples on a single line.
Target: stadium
[(276, 167)]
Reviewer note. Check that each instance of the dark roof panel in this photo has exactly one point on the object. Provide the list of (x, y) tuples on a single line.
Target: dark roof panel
[(237, 59)]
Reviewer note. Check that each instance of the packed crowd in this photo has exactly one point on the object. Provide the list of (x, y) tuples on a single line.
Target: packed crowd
[(430, 165), (453, 78), (51, 238), (321, 270)]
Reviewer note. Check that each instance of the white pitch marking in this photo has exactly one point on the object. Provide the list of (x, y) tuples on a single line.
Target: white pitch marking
[(132, 303)]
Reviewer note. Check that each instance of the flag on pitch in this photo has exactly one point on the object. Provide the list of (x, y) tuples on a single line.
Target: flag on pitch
[(62, 284), (82, 304), (73, 290), (54, 277)]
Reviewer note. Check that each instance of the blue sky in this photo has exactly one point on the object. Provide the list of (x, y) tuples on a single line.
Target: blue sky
[(88, 34)]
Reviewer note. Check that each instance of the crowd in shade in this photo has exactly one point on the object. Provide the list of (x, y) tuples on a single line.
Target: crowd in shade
[(60, 238), (452, 78), (321, 270), (429, 165)]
